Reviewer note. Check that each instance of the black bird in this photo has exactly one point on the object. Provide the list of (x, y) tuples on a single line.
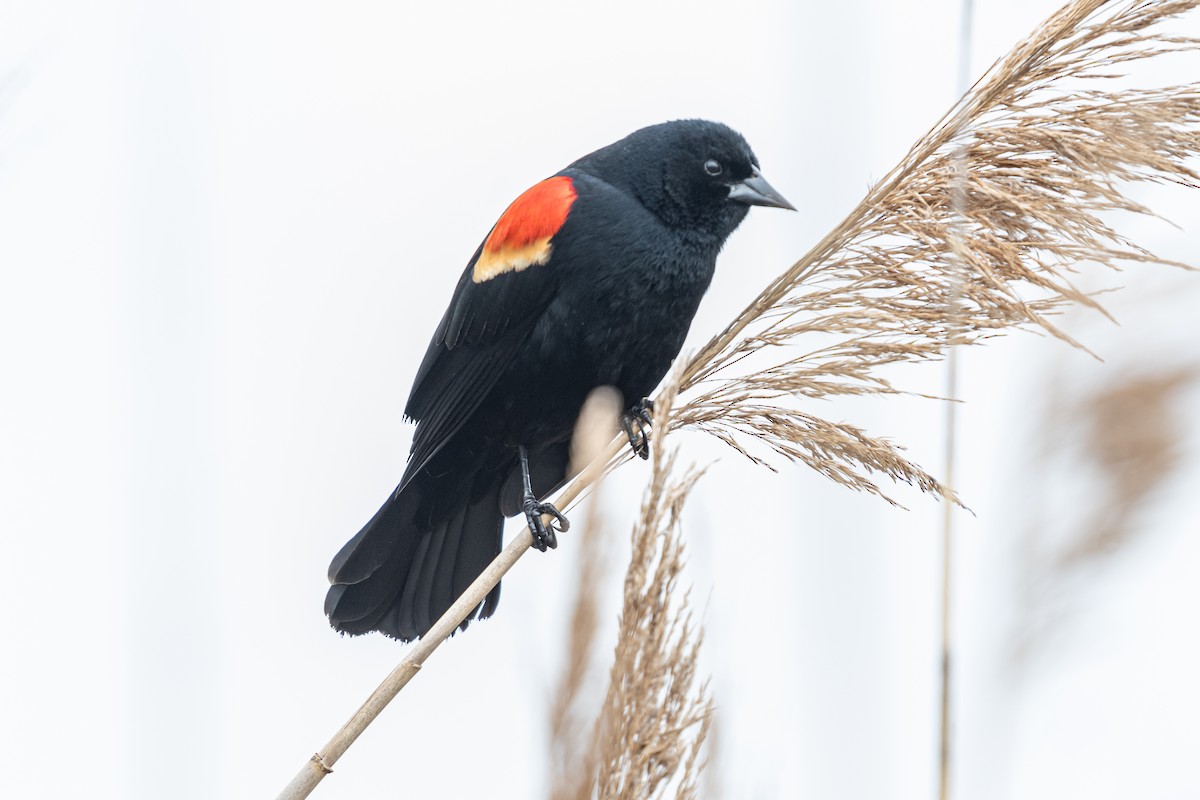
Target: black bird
[(589, 278)]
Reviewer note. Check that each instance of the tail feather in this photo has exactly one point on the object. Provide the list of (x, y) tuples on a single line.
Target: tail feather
[(441, 590), (356, 608), (378, 540), (407, 600), (442, 544), (474, 553), (458, 550), (431, 539), (423, 547), (353, 603)]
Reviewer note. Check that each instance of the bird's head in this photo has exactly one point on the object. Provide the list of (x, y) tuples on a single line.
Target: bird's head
[(697, 176)]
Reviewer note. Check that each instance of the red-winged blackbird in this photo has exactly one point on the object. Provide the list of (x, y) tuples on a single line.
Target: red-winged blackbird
[(589, 278)]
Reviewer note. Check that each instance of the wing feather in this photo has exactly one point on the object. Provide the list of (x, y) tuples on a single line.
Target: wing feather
[(479, 335), (494, 309)]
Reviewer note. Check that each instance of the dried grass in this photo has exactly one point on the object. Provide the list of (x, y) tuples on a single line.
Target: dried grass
[(977, 231), (654, 718), (572, 757), (572, 716), (656, 715)]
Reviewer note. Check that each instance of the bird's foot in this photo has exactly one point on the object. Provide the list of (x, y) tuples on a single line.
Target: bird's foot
[(544, 536), (636, 424)]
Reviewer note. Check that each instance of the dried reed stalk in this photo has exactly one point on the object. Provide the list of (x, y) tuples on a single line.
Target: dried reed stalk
[(654, 719), (975, 232), (950, 449), (656, 716), (572, 759), (321, 762), (572, 756)]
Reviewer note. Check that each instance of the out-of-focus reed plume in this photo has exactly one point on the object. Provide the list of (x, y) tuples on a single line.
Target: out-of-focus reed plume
[(1131, 438), (1120, 444)]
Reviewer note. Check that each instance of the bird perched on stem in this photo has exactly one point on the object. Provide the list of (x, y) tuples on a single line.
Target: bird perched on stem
[(590, 278)]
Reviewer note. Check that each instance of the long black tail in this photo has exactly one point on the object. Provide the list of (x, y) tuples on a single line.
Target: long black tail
[(429, 541), (418, 553)]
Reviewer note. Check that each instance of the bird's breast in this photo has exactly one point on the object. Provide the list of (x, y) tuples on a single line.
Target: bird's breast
[(626, 291), (622, 328)]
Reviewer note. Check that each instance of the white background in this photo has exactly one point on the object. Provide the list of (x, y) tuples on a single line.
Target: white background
[(226, 232)]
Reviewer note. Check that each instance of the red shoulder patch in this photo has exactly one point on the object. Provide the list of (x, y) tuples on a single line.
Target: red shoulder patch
[(521, 237)]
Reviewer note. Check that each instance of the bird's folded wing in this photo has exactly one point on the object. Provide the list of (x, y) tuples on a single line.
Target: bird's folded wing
[(498, 300)]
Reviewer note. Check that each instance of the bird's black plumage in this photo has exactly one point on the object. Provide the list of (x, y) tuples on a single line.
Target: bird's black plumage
[(607, 299)]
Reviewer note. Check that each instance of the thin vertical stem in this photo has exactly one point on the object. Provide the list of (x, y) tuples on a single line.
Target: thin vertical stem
[(951, 427), (947, 575)]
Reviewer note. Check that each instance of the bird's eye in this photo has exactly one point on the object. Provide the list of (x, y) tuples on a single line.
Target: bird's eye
[(713, 167)]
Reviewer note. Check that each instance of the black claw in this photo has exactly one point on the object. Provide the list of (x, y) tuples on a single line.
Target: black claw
[(645, 410), (635, 431), (636, 424), (544, 536)]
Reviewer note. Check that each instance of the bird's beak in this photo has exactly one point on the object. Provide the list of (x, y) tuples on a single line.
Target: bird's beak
[(755, 191)]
